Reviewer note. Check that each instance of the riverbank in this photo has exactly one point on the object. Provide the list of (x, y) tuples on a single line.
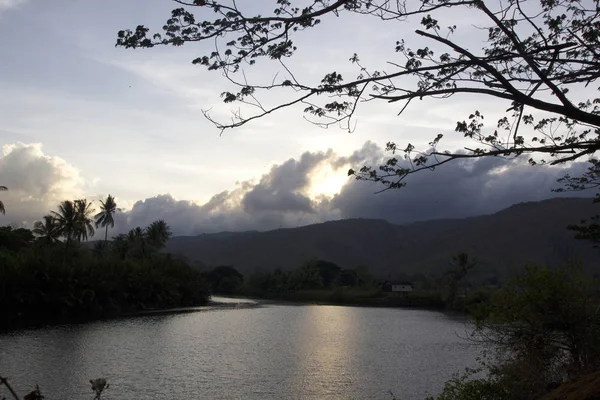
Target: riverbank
[(213, 304), (351, 297)]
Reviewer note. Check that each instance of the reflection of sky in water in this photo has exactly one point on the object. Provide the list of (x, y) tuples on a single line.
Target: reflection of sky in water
[(271, 352)]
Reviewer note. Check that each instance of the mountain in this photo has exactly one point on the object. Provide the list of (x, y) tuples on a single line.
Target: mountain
[(501, 242)]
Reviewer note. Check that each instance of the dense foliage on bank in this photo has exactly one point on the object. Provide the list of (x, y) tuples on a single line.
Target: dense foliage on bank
[(324, 282), (541, 329), (50, 274)]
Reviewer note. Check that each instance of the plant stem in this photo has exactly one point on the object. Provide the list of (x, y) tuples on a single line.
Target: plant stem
[(4, 381)]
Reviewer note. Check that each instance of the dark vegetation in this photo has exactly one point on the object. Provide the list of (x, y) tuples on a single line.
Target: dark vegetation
[(48, 275), (324, 282), (541, 329)]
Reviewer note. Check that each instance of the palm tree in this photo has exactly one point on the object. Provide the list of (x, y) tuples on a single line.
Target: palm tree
[(158, 233), (121, 245), (66, 219), (74, 221), (138, 243), (2, 209), (85, 221), (105, 217), (47, 229)]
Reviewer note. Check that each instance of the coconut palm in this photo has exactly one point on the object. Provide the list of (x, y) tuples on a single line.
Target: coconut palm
[(85, 220), (105, 217), (158, 233), (2, 209), (47, 229), (74, 221), (138, 242), (66, 219)]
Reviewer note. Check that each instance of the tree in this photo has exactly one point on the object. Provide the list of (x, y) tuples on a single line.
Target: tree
[(105, 217), (138, 245), (543, 326), (84, 221), (224, 279), (74, 220), (47, 230), (538, 59), (158, 233), (66, 218), (121, 245), (15, 239), (2, 209), (142, 243), (462, 264)]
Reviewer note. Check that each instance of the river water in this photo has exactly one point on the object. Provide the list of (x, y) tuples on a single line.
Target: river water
[(240, 352)]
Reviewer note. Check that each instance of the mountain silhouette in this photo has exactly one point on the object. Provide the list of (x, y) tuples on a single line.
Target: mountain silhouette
[(532, 232)]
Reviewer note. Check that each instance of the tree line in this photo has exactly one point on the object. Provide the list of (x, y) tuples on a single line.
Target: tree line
[(50, 274)]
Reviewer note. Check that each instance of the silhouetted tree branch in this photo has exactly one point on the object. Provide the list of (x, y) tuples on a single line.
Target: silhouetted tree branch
[(540, 57)]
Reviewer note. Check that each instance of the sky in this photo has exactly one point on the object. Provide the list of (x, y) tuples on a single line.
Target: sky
[(82, 118)]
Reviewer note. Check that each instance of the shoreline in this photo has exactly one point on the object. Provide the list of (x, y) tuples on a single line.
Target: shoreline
[(247, 301), (211, 305), (325, 298)]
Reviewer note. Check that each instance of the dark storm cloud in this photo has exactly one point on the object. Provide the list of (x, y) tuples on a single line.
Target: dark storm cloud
[(458, 189), (281, 190), (280, 197)]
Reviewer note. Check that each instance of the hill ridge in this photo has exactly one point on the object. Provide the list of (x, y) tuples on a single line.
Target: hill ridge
[(524, 232)]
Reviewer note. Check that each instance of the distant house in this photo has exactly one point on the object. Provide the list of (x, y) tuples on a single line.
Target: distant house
[(398, 287)]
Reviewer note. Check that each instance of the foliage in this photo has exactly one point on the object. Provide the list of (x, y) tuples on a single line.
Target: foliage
[(36, 286), (98, 386), (38, 282), (538, 60), (223, 279), (74, 221), (550, 318), (461, 266), (2, 209), (15, 239), (539, 329), (47, 230), (105, 218), (141, 243), (469, 387)]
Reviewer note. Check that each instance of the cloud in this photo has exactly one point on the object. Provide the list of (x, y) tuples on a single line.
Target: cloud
[(6, 4), (458, 189), (285, 195), (36, 182), (282, 197)]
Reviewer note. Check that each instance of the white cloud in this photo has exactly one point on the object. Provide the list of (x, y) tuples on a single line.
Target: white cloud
[(6, 4), (36, 182)]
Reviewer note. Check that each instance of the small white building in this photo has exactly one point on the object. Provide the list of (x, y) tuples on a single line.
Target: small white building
[(396, 287), (402, 287)]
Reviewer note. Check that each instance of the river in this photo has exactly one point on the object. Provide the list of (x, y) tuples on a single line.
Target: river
[(239, 352)]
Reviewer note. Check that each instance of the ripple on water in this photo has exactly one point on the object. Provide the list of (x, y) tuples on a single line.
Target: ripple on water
[(266, 352)]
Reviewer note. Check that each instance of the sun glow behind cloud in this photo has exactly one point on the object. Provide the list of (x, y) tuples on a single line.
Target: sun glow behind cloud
[(327, 181)]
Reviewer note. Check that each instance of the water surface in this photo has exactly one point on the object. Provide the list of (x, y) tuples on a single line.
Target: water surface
[(267, 352)]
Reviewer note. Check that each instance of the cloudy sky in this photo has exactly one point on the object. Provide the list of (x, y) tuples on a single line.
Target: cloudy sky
[(79, 117)]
